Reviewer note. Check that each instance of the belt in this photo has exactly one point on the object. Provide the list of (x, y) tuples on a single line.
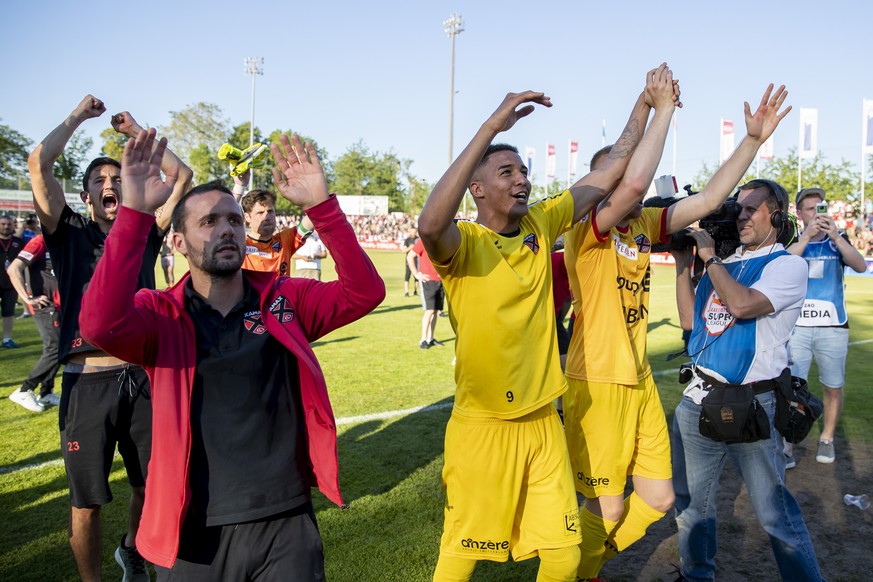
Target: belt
[(759, 387)]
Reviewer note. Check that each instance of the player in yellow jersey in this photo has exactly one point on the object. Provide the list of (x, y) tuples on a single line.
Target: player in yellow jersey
[(266, 249), (507, 478), (614, 420)]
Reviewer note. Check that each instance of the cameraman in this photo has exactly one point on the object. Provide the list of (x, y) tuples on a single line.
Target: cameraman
[(613, 415), (744, 311)]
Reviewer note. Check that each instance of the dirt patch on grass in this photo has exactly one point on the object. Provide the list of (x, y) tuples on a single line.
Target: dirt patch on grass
[(842, 535)]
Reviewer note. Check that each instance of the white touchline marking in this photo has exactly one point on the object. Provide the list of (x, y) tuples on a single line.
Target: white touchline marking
[(345, 420)]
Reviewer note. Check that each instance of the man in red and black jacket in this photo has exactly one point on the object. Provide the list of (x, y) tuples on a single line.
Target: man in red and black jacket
[(242, 423), (42, 300)]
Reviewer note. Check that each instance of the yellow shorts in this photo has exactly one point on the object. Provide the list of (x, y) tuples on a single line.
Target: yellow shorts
[(614, 431), (508, 487)]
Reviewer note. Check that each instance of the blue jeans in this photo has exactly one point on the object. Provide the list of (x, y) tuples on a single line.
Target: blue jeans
[(697, 466)]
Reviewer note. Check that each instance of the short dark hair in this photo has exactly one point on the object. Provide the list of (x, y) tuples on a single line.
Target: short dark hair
[(493, 149), (178, 217), (600, 154), (777, 197), (96, 163), (249, 200)]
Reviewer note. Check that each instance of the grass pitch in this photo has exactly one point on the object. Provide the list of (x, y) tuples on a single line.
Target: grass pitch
[(390, 460)]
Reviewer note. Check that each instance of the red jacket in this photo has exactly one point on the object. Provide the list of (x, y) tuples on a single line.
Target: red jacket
[(152, 329)]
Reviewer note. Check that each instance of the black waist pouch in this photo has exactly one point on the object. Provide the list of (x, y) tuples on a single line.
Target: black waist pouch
[(731, 414)]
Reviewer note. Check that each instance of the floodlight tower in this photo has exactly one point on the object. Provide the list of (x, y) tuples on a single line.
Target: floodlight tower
[(253, 66), (453, 27)]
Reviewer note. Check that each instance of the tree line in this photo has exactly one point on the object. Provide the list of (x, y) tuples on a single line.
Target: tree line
[(197, 132)]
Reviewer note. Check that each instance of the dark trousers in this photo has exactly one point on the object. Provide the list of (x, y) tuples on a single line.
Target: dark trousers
[(47, 367)]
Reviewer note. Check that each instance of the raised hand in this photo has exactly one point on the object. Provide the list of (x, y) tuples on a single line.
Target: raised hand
[(761, 125), (88, 108), (705, 243), (661, 91), (298, 174), (124, 123), (142, 186), (508, 112)]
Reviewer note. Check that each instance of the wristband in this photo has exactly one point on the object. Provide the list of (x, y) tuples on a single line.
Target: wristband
[(714, 259)]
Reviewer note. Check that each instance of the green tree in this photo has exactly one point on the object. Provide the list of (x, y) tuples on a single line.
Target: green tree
[(113, 143), (840, 181), (417, 191), (364, 173), (14, 148), (68, 167), (554, 187), (263, 176), (195, 134)]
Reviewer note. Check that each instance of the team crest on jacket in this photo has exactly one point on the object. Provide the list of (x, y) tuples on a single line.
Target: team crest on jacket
[(282, 309), (643, 243), (253, 323), (530, 241), (277, 246)]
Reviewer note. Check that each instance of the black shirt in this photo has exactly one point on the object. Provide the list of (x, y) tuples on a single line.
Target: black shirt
[(248, 453), (42, 275), (9, 249), (75, 246)]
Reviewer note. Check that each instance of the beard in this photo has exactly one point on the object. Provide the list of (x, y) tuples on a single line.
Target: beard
[(207, 260)]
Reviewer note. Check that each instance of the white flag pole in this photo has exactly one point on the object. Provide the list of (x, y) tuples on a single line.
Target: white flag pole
[(800, 153)]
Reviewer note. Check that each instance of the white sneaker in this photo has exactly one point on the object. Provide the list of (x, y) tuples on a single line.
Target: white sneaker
[(50, 399), (27, 399)]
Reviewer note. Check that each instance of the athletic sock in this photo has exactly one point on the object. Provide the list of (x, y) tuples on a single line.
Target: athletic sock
[(638, 516), (594, 531), (453, 569), (558, 565)]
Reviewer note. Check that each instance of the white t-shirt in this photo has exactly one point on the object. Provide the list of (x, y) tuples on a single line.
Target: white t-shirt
[(311, 248)]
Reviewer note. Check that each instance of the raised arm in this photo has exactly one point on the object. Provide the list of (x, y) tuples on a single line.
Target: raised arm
[(48, 195), (171, 165), (439, 234), (111, 317), (594, 186), (644, 162), (759, 127)]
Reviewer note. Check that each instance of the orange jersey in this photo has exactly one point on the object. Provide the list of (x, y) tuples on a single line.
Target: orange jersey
[(274, 254)]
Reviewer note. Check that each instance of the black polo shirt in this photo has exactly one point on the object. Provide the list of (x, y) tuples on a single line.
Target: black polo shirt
[(75, 245), (42, 275), (248, 452), (9, 249)]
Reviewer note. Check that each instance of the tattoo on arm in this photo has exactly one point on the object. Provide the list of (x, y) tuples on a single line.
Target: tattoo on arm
[(627, 142)]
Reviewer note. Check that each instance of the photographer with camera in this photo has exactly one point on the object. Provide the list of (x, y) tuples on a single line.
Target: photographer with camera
[(745, 308), (822, 329), (607, 256)]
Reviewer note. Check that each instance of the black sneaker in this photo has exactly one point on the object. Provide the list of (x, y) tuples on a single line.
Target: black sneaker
[(424, 345), (132, 563), (433, 343)]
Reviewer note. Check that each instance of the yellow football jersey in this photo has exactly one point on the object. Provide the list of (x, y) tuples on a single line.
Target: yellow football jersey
[(274, 254), (609, 278), (502, 311)]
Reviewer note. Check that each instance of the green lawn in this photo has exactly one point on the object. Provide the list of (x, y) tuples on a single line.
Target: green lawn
[(390, 467)]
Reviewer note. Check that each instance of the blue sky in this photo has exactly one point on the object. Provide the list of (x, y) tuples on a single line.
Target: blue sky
[(379, 71)]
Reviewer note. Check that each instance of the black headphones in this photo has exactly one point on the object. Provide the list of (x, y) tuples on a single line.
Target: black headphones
[(779, 217)]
